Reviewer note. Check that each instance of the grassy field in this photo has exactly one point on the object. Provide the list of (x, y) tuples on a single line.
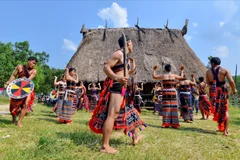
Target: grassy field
[(4, 100), (42, 137)]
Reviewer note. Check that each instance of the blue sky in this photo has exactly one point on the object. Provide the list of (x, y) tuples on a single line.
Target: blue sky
[(53, 26)]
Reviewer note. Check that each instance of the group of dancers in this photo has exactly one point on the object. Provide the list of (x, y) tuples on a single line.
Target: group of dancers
[(176, 91), (118, 106), (72, 96), (189, 94)]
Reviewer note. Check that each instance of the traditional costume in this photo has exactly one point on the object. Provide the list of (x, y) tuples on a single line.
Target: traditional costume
[(67, 105), (169, 104), (85, 102), (185, 102), (219, 96), (137, 101), (159, 96), (17, 104), (128, 118), (93, 100), (204, 103), (61, 92), (79, 96)]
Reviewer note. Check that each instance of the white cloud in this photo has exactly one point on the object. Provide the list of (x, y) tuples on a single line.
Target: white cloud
[(69, 45), (221, 51), (100, 26), (228, 34), (221, 23), (227, 8), (187, 37), (116, 14), (195, 24)]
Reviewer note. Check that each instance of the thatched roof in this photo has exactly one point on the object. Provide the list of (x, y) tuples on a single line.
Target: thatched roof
[(156, 48)]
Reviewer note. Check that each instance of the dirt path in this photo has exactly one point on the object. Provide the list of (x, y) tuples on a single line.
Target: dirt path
[(4, 109)]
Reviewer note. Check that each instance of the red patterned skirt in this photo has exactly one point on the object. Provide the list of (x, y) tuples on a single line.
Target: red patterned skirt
[(128, 118), (219, 96), (17, 104), (205, 105)]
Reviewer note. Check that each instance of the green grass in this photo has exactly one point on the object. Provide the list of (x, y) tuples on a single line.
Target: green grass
[(43, 138), (4, 100)]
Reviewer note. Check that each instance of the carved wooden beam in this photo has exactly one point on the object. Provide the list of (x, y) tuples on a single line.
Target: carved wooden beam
[(83, 31), (185, 27), (105, 32), (170, 32), (139, 31)]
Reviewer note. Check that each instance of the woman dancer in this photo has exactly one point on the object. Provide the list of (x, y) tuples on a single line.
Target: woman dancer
[(67, 106), (155, 99), (137, 97), (93, 98), (169, 96), (61, 85), (81, 93), (159, 98), (185, 99)]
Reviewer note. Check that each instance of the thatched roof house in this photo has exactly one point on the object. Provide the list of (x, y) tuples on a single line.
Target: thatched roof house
[(155, 48)]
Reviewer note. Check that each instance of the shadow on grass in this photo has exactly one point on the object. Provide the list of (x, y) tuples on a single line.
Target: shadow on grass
[(5, 121), (154, 126), (43, 111), (86, 138), (188, 129), (49, 120), (49, 115), (78, 120), (194, 129)]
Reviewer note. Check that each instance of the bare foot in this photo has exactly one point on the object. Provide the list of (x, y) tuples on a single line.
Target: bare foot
[(226, 133), (19, 124), (109, 150), (188, 121), (137, 139), (202, 118)]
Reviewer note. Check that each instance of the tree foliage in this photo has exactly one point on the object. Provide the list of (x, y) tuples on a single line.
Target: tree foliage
[(209, 65), (237, 83), (13, 54)]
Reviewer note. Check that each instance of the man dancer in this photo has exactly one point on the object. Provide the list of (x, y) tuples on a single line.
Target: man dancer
[(105, 118), (21, 71), (215, 77)]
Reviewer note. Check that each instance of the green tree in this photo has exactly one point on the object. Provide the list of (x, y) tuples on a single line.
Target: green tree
[(6, 62), (209, 65), (12, 55), (237, 83)]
